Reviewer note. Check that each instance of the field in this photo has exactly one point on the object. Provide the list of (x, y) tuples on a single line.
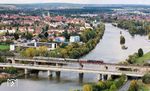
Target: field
[(143, 59), (4, 47)]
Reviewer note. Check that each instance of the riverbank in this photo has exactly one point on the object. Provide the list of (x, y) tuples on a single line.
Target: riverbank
[(89, 37), (134, 27), (9, 73), (9, 76), (135, 59)]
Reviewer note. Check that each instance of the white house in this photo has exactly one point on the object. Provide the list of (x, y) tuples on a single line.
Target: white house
[(50, 46), (10, 31), (74, 38)]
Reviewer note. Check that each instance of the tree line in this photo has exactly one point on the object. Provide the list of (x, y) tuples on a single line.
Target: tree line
[(109, 85), (135, 27)]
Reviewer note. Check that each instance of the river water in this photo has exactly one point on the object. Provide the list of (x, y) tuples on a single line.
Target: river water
[(109, 50)]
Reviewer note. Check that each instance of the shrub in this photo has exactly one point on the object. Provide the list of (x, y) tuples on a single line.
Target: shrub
[(140, 52), (87, 87), (133, 86), (146, 79), (122, 40)]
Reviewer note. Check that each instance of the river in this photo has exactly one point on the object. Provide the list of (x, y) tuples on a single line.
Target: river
[(109, 50)]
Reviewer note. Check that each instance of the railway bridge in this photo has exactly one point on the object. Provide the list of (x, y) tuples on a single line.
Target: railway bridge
[(58, 65)]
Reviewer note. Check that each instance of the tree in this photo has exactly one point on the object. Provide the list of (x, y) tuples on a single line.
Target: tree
[(46, 34), (113, 88), (42, 51), (66, 34), (10, 70), (16, 35), (122, 40), (28, 36), (29, 52), (87, 87), (140, 52), (146, 79), (46, 27), (101, 85), (133, 86), (2, 59), (7, 33), (120, 81)]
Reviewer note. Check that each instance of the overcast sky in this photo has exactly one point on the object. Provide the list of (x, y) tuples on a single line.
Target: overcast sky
[(80, 1)]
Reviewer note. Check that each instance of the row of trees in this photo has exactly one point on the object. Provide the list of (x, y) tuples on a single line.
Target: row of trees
[(109, 85), (135, 27), (31, 52), (10, 70), (26, 35)]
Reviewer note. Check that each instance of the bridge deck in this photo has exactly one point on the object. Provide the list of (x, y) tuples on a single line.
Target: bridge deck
[(72, 69)]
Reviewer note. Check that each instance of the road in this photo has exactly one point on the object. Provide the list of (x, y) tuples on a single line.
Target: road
[(126, 86)]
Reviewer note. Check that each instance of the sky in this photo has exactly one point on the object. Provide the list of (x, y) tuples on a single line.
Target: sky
[(78, 1)]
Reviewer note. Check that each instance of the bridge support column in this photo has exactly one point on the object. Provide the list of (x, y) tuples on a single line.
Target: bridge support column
[(81, 77), (13, 61), (25, 71), (34, 62), (58, 75), (108, 77), (103, 77), (57, 64), (99, 77), (49, 73)]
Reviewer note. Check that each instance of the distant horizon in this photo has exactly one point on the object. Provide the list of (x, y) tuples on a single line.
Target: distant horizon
[(70, 3), (98, 2)]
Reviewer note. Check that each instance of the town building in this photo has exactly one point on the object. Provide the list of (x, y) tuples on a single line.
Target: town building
[(74, 38)]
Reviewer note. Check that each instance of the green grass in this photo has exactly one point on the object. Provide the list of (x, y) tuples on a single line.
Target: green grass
[(143, 87), (4, 47), (143, 59)]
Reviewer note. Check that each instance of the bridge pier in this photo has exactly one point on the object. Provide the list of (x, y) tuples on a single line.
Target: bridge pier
[(58, 75), (81, 77), (57, 64), (34, 62), (103, 77), (13, 61), (25, 71), (49, 73), (99, 77), (108, 76)]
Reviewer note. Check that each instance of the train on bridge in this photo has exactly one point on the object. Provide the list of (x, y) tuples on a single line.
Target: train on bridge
[(84, 61)]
